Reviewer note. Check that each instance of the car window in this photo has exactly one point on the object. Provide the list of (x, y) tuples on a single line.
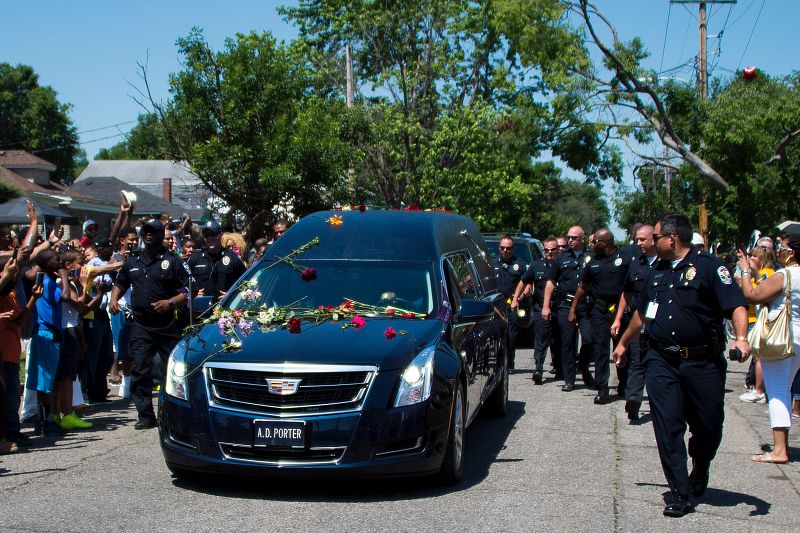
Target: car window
[(521, 250), (465, 277)]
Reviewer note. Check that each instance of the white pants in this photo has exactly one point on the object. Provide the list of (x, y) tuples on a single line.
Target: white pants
[(778, 378)]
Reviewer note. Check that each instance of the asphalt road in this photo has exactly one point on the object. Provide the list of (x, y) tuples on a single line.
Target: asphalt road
[(556, 463)]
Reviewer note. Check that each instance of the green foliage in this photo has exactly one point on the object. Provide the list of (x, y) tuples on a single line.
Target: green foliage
[(8, 192), (245, 120), (566, 203), (632, 206), (32, 118), (146, 140)]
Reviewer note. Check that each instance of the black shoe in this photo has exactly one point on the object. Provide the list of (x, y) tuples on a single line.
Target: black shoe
[(552, 371), (537, 378), (602, 398), (679, 506), (567, 387), (699, 479), (20, 438), (632, 408), (51, 428), (587, 378), (145, 423)]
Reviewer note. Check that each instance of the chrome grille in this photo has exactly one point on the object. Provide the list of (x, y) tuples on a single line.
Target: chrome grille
[(322, 389)]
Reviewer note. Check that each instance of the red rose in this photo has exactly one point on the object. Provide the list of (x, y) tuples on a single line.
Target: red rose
[(294, 325), (409, 315), (390, 333), (390, 311), (309, 274), (347, 304), (358, 322), (362, 208)]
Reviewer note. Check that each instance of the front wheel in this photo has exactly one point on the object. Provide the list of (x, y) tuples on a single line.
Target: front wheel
[(452, 470), (496, 405)]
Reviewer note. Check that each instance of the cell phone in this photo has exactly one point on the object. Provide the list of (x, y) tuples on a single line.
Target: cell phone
[(56, 224), (39, 279), (15, 253), (734, 354)]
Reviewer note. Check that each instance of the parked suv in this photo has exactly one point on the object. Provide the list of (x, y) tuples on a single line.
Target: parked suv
[(527, 249), (388, 391)]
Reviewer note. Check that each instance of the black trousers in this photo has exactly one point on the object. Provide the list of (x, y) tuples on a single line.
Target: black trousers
[(685, 392), (542, 333), (601, 337), (569, 341), (513, 323), (98, 358), (634, 369), (145, 345)]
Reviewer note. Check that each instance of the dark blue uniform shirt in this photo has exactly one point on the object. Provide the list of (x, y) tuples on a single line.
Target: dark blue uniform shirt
[(153, 278), (508, 274), (606, 275), (537, 275), (637, 274), (692, 299), (215, 274), (567, 270)]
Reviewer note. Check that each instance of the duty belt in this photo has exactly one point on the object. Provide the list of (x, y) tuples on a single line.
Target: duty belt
[(704, 351)]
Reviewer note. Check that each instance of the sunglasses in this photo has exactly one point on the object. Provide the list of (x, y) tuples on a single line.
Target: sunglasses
[(574, 237), (595, 241), (550, 249), (657, 236), (507, 247)]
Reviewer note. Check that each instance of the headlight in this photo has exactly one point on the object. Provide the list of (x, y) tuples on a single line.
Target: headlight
[(416, 379), (176, 372)]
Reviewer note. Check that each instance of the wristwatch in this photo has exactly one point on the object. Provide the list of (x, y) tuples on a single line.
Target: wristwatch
[(171, 303), (747, 272), (740, 338)]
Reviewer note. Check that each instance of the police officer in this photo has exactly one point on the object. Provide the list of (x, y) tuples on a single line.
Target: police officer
[(565, 274), (536, 277), (603, 280), (509, 270), (685, 297), (214, 268), (158, 278), (634, 281)]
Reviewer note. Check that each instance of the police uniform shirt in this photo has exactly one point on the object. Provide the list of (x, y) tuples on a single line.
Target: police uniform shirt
[(508, 274), (567, 270), (215, 274), (153, 278), (606, 275), (637, 274), (537, 275), (682, 305)]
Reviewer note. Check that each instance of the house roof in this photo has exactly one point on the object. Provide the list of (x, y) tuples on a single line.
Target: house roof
[(23, 159), (141, 172), (27, 186), (108, 189)]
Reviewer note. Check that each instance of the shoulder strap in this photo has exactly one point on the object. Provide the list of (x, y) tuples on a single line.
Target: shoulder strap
[(788, 287)]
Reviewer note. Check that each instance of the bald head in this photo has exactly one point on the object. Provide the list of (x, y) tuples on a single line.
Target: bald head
[(575, 237), (643, 238), (602, 241)]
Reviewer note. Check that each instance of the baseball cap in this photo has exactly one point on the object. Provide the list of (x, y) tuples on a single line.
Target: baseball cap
[(88, 223), (213, 227), (154, 224)]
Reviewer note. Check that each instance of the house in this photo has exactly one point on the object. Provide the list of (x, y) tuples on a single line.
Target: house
[(171, 181)]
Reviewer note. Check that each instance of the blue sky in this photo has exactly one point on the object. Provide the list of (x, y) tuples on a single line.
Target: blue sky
[(88, 50)]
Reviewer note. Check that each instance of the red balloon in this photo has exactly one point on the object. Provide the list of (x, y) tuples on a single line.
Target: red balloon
[(750, 73)]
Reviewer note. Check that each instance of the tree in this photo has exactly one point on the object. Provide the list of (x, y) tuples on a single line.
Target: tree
[(247, 122), (7, 192), (145, 141), (455, 118), (32, 118)]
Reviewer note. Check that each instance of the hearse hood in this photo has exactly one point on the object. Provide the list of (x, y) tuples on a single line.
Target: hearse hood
[(325, 343)]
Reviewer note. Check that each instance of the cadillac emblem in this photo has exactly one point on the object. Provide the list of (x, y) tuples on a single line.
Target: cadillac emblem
[(283, 387)]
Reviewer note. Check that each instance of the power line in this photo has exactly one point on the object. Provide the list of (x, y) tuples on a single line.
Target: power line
[(752, 3), (666, 32), (107, 127), (50, 149), (751, 33)]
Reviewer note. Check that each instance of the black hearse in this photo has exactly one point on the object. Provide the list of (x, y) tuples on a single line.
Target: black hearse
[(390, 396)]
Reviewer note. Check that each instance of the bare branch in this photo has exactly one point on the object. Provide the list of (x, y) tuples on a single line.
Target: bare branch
[(780, 150)]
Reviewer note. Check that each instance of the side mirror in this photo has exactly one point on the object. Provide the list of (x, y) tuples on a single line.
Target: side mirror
[(474, 309)]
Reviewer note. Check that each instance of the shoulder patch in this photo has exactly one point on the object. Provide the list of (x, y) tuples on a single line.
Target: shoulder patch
[(724, 275)]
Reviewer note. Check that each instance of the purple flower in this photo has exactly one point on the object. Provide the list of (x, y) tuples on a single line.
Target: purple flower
[(225, 324), (245, 327), (309, 274)]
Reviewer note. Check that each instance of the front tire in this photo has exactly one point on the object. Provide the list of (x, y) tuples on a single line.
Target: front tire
[(452, 470), (496, 405)]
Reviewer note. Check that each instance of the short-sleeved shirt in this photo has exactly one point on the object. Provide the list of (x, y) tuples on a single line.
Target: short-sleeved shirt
[(567, 270), (153, 278), (692, 299), (48, 307), (637, 274), (508, 274), (606, 275), (537, 275), (215, 274)]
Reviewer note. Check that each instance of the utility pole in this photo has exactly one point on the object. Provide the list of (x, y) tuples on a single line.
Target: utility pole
[(702, 89)]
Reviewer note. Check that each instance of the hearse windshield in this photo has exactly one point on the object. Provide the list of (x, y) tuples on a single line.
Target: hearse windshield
[(406, 285)]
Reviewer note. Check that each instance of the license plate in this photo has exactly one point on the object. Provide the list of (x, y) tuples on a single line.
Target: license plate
[(279, 433)]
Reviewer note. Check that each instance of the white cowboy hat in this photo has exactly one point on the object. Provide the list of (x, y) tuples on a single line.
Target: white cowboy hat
[(128, 197)]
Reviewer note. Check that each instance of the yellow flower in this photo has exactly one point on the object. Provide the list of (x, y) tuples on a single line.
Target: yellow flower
[(335, 220)]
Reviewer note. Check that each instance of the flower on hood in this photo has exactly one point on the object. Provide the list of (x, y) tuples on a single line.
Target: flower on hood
[(294, 325), (335, 220), (409, 315), (390, 333), (358, 322), (308, 274)]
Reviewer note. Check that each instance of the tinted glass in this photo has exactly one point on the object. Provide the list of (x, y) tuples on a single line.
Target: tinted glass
[(404, 284), (521, 250), (465, 277)]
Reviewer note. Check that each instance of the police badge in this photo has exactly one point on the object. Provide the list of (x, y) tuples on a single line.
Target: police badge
[(226, 260), (164, 264), (516, 267), (617, 261), (691, 273), (587, 259)]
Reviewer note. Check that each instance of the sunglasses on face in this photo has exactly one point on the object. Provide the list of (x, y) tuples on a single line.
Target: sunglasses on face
[(574, 237), (595, 241), (657, 236), (550, 249), (507, 247)]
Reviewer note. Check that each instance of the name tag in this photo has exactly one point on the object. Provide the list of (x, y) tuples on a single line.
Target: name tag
[(652, 309)]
